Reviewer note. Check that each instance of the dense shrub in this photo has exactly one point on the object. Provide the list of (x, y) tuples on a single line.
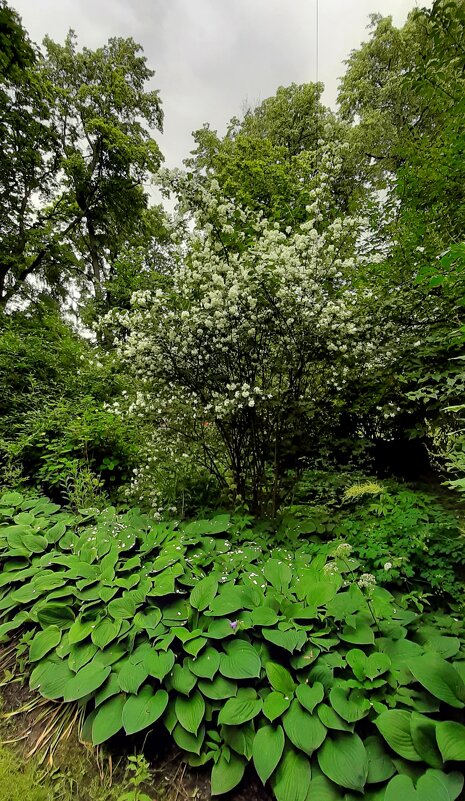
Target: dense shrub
[(54, 387), (299, 664), (408, 537)]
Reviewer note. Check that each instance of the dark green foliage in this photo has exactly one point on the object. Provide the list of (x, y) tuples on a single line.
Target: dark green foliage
[(410, 538), (413, 532), (53, 389), (153, 623)]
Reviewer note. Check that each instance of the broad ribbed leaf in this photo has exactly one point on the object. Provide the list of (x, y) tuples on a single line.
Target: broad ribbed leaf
[(268, 746), (182, 680), (453, 782), (80, 630), (309, 697), (50, 678), (105, 632), (280, 678), (227, 773), (439, 678), (263, 616), (344, 760), (131, 676), (203, 593), (43, 642), (351, 706), (278, 574), (275, 704), (431, 787), (188, 741), (206, 664), (80, 654), (401, 788), (190, 711), (143, 709), (304, 730), (86, 681), (291, 780), (380, 764), (107, 720), (332, 720), (289, 640), (159, 663), (218, 689), (394, 725), (240, 661), (239, 710), (321, 593), (55, 615), (122, 608), (451, 741), (423, 731)]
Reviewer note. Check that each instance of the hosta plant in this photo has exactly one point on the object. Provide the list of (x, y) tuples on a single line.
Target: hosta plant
[(244, 653)]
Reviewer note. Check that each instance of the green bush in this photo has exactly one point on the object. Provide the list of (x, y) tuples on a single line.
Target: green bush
[(244, 653), (407, 537), (55, 388), (69, 434)]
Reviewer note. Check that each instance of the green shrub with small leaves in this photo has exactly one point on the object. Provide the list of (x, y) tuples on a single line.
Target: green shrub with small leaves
[(245, 653), (409, 537), (405, 537)]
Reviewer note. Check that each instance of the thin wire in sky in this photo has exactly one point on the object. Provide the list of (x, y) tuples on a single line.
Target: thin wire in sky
[(317, 39)]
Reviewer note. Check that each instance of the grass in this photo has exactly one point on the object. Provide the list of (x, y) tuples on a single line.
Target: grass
[(19, 781)]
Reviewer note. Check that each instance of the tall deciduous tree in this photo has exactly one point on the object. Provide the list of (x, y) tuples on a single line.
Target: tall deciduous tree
[(77, 151), (269, 160)]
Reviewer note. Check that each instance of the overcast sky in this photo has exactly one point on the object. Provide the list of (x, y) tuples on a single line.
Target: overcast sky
[(213, 56)]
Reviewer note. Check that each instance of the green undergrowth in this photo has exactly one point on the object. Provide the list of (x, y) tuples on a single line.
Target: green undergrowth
[(18, 780), (74, 776), (408, 537), (243, 650)]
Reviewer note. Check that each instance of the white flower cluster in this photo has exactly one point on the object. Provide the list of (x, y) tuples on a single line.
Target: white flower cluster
[(245, 332), (367, 581)]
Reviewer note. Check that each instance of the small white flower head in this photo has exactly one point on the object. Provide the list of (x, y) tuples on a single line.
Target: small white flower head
[(367, 581), (342, 551), (388, 566), (330, 568)]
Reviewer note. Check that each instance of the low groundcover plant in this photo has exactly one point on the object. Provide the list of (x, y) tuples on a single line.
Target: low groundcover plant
[(247, 653)]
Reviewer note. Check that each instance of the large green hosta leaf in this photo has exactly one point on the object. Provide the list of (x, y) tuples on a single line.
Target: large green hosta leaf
[(431, 786), (380, 764), (308, 696), (394, 725), (304, 730), (190, 711), (51, 677), (268, 746), (227, 773), (107, 720), (275, 704), (439, 678), (86, 681), (239, 710), (344, 760), (451, 741), (43, 642), (291, 779), (280, 678), (203, 593), (351, 706), (241, 661), (143, 709), (423, 731)]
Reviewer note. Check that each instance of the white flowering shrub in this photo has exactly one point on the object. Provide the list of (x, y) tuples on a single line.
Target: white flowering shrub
[(239, 357)]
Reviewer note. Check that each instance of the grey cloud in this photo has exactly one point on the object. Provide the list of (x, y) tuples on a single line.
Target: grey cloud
[(211, 56)]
